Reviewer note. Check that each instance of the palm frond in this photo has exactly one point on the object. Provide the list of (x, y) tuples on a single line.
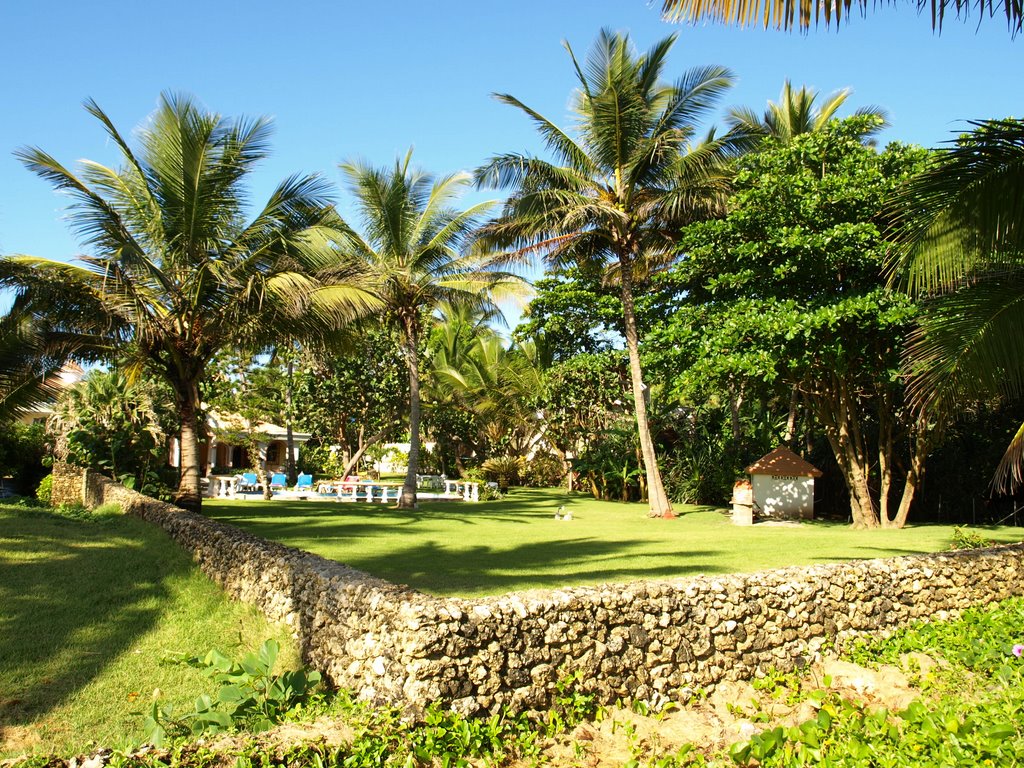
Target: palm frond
[(968, 346), (789, 14), (1009, 473), (965, 215)]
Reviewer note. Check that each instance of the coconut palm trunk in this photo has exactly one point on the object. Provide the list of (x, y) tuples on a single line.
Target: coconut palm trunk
[(289, 418), (189, 495), (657, 499), (412, 359)]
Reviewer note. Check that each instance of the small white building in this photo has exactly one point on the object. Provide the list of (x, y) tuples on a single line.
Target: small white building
[(783, 485)]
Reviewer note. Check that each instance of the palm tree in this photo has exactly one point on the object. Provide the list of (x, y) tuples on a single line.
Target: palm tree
[(498, 384), (413, 252), (174, 272), (961, 248), (619, 192), (795, 113), (784, 14)]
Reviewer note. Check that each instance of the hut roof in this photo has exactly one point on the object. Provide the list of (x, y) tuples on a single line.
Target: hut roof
[(784, 462)]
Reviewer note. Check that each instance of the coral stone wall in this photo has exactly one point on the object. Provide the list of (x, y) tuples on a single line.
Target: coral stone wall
[(641, 641)]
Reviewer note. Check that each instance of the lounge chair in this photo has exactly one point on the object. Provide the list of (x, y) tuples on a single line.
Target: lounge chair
[(304, 482), (278, 481), (248, 483)]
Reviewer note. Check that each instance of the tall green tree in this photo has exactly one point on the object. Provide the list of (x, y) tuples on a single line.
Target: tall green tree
[(961, 247), (618, 193), (499, 385), (788, 290), (174, 272), (414, 249), (796, 113), (351, 394)]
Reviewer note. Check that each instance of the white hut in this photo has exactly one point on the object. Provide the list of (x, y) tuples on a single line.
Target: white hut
[(783, 485)]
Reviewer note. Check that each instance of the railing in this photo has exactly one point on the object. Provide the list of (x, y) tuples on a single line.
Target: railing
[(222, 486), (458, 488)]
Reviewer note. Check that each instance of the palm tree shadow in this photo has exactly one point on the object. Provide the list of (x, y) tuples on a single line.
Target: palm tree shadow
[(478, 569), (75, 596)]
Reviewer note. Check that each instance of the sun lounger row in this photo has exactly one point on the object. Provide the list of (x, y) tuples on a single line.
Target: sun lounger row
[(248, 482)]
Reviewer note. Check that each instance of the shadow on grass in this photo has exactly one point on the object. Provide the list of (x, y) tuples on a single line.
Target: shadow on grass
[(73, 595), (454, 559), (475, 570)]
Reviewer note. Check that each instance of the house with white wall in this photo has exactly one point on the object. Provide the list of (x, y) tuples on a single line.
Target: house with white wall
[(783, 485)]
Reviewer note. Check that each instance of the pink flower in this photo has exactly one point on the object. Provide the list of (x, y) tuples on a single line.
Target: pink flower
[(1018, 650)]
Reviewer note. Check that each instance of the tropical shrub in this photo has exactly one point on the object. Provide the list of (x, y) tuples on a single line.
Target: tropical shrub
[(504, 470), (112, 424), (24, 454), (44, 491), (320, 461), (610, 467), (544, 470)]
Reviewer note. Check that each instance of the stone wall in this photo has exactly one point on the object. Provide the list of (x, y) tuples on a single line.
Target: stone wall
[(643, 641)]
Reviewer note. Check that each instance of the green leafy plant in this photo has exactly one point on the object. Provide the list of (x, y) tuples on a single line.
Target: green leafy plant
[(45, 490), (964, 538), (571, 705), (505, 470), (250, 697)]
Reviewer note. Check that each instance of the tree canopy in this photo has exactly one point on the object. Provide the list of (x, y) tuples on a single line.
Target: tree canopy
[(174, 271), (787, 290)]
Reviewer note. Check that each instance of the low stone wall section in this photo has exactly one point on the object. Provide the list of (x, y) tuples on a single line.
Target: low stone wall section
[(642, 641)]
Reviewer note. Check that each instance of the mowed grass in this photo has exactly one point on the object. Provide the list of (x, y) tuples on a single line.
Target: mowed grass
[(487, 548), (88, 612)]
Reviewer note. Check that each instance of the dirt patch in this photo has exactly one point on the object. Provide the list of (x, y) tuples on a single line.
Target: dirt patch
[(734, 712)]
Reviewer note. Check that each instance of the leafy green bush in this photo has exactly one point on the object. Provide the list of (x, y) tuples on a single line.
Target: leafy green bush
[(964, 538), (504, 470), (45, 490), (251, 697), (970, 718), (320, 461), (543, 471)]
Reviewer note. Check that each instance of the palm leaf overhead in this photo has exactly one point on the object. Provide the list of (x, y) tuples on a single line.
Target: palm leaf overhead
[(787, 14), (632, 171), (173, 272), (960, 245)]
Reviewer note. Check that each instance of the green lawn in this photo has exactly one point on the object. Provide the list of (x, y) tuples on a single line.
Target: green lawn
[(455, 548), (88, 609)]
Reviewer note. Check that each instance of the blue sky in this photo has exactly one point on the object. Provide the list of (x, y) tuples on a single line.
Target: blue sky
[(362, 80)]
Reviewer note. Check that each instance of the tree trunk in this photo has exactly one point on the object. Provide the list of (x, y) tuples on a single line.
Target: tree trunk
[(885, 454), (408, 498), (794, 401), (189, 495), (735, 403), (289, 416), (351, 462), (656, 497), (837, 411), (920, 444)]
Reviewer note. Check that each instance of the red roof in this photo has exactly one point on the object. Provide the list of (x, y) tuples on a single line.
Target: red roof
[(783, 462)]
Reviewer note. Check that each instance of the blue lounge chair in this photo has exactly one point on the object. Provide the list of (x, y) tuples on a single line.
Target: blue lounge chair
[(304, 482), (249, 483), (278, 481)]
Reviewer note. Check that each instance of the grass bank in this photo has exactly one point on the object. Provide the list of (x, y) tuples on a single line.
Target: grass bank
[(455, 548), (89, 608)]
